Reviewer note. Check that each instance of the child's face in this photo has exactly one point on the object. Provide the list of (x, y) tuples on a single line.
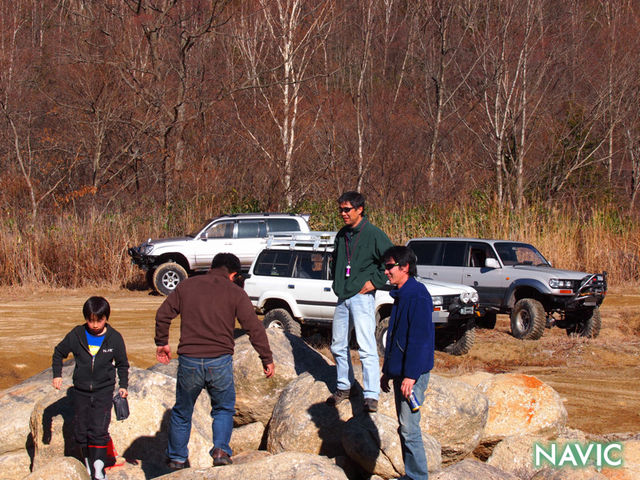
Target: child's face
[(96, 324)]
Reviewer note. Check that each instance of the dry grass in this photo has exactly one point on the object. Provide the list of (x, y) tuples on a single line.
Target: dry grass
[(67, 250)]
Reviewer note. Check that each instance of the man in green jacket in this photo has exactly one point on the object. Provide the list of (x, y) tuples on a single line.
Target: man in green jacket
[(357, 273)]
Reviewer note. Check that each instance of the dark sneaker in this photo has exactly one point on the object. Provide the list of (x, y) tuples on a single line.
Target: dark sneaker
[(176, 465), (220, 457), (370, 405), (338, 396)]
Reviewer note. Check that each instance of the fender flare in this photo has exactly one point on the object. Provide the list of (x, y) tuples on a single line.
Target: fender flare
[(510, 295), (280, 295)]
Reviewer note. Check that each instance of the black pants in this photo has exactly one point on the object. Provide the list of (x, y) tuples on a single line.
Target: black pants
[(92, 415)]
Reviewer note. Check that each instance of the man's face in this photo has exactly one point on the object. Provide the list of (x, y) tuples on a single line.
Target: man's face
[(350, 216), (396, 274)]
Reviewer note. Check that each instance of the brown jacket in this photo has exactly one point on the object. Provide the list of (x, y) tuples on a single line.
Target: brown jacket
[(208, 306)]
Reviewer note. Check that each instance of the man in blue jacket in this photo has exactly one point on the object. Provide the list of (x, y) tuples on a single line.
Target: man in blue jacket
[(408, 357)]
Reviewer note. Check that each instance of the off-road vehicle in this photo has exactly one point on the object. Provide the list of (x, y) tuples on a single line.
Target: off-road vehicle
[(290, 283), (514, 278), (169, 261)]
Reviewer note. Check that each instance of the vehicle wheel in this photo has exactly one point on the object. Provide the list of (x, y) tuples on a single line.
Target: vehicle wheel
[(282, 319), (167, 277), (528, 319), (586, 323), (381, 335), (487, 321), (460, 341)]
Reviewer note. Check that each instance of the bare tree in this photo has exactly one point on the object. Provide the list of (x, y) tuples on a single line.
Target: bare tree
[(278, 43)]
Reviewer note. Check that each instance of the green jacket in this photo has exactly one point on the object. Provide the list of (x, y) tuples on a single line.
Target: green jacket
[(367, 243)]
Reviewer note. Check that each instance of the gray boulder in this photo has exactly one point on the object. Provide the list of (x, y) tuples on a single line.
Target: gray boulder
[(471, 469), (289, 466), (16, 404), (66, 468), (572, 474), (453, 412), (246, 438), (372, 440)]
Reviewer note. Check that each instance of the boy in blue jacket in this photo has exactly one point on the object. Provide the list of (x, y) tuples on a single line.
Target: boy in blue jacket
[(409, 351), (99, 351)]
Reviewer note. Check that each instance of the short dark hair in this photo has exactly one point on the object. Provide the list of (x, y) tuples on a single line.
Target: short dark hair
[(356, 199), (97, 306), (403, 256), (228, 261)]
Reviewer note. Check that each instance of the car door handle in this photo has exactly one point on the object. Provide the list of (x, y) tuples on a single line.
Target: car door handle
[(468, 274), (291, 286)]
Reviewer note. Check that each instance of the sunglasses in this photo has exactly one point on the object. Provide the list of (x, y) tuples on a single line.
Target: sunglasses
[(345, 209), (389, 266)]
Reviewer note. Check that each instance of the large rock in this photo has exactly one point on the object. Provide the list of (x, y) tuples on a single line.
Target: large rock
[(66, 468), (514, 455), (569, 474), (520, 405), (246, 438), (16, 405), (472, 469), (142, 436), (14, 465), (630, 470), (372, 440), (289, 466), (303, 422), (256, 395), (453, 412)]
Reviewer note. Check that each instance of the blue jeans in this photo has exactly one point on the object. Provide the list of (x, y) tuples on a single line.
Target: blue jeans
[(194, 374), (357, 312), (415, 459)]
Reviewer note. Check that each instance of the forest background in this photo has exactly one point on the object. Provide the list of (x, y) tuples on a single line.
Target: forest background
[(127, 119)]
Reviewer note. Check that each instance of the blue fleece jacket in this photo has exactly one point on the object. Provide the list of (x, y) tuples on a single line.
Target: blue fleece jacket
[(410, 338)]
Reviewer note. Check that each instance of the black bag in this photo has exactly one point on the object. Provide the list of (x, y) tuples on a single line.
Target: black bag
[(121, 406)]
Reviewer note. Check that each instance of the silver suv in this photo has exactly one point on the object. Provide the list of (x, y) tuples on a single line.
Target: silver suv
[(514, 278), (169, 261), (290, 283)]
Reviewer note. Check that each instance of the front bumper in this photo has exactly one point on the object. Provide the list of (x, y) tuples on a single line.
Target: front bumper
[(145, 262), (590, 293)]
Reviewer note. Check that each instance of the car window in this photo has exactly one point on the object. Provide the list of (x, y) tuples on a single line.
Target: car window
[(308, 265), (428, 252), (283, 225), (221, 230), (454, 254), (478, 253), (519, 253), (251, 229), (274, 263)]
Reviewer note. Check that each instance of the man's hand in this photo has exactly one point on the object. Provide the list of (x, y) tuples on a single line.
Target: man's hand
[(163, 354), (57, 383), (407, 386), (269, 370), (367, 287), (123, 392), (384, 383)]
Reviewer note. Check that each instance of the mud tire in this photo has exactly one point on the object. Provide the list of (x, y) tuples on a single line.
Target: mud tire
[(381, 335), (585, 324), (528, 319), (167, 277), (282, 319), (487, 321)]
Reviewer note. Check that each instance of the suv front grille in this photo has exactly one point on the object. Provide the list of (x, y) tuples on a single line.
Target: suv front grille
[(447, 300)]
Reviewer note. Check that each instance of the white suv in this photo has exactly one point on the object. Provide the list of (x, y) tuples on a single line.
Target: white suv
[(290, 283), (169, 261)]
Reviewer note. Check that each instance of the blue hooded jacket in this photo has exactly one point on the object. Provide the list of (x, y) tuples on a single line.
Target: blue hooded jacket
[(410, 337)]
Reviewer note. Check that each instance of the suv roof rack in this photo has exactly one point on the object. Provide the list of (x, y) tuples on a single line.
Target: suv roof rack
[(314, 240)]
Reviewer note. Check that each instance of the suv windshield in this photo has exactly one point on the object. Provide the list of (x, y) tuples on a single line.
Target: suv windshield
[(519, 254)]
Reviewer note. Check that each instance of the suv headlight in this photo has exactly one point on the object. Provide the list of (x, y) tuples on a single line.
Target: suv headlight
[(146, 249), (465, 297), (556, 283), (437, 300)]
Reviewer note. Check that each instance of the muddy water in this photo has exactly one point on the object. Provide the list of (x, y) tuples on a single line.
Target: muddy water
[(598, 379)]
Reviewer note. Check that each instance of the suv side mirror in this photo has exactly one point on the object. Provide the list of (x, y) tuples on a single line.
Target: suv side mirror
[(203, 237), (491, 263)]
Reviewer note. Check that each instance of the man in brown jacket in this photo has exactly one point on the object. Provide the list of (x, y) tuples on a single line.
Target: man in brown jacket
[(208, 305)]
